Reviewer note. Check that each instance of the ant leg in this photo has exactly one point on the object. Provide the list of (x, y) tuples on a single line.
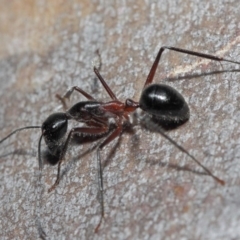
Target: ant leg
[(110, 138), (82, 130), (197, 54), (67, 95), (99, 60), (191, 156), (107, 88)]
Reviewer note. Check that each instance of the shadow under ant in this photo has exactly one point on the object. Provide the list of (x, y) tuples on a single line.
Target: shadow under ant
[(174, 166), (19, 152), (198, 75), (77, 140), (150, 124)]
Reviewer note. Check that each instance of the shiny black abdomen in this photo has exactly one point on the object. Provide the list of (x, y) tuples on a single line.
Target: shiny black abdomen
[(165, 104)]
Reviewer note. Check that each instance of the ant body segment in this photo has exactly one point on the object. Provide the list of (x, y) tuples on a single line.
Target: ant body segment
[(163, 103)]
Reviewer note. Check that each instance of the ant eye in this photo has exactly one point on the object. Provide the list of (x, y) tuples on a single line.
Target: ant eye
[(55, 126)]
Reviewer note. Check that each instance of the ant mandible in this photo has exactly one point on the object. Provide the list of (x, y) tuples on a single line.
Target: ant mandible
[(163, 103)]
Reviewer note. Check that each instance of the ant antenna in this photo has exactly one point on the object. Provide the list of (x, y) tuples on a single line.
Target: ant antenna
[(18, 130), (39, 143), (39, 153)]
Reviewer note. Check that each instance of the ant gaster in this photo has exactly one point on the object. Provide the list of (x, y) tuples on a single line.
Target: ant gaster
[(163, 103)]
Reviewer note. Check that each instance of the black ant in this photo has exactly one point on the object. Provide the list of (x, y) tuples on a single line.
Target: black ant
[(163, 103)]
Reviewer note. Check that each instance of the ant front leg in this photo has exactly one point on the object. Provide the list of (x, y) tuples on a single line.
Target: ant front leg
[(82, 130), (68, 94), (193, 53)]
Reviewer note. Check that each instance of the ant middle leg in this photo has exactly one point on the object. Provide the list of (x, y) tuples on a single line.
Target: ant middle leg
[(193, 53), (105, 85), (110, 138)]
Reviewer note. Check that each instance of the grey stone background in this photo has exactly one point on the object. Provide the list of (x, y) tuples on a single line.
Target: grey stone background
[(152, 190)]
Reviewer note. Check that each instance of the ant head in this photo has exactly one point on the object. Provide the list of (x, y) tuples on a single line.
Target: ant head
[(54, 127)]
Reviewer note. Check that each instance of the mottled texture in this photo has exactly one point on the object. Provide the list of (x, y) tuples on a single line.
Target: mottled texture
[(48, 46)]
